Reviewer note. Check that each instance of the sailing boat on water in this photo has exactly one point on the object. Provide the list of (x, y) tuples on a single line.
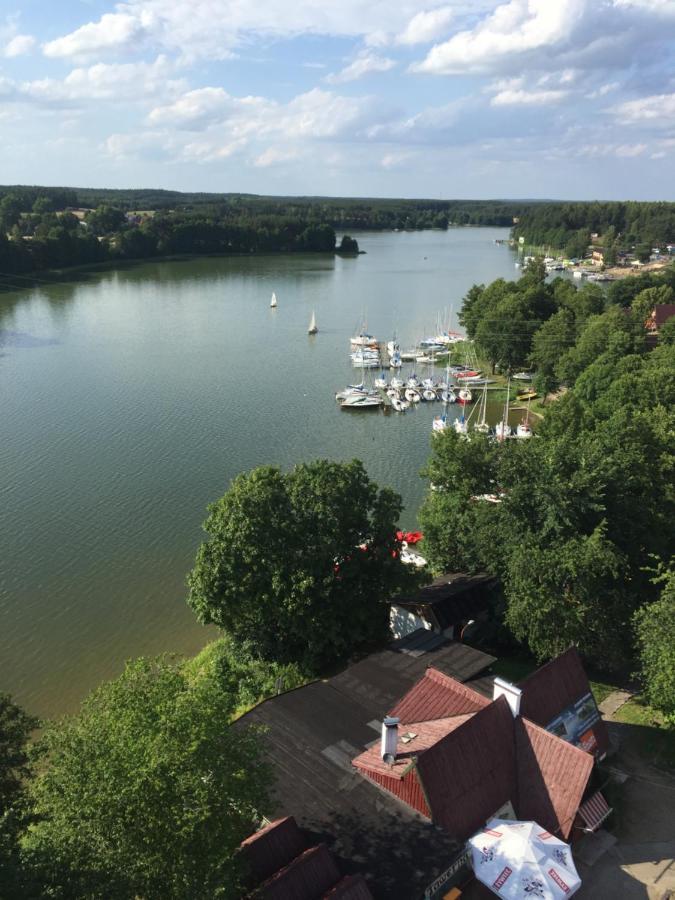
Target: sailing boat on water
[(482, 425), (312, 325), (273, 301)]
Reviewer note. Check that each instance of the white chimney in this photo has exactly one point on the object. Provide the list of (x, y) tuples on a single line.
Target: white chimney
[(510, 691), (389, 738)]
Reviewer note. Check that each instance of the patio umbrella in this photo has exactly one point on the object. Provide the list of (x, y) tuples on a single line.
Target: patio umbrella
[(523, 860)]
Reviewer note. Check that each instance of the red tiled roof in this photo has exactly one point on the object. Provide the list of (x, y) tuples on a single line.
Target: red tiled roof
[(427, 734), (662, 312), (553, 688), (273, 847), (307, 877), (471, 772), (437, 696), (551, 777)]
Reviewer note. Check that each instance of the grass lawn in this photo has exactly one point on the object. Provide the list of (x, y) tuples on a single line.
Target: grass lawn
[(651, 738)]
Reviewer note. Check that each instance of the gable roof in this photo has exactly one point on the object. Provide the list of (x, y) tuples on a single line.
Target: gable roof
[(471, 772), (426, 735), (277, 856), (273, 847), (551, 777), (437, 696), (553, 687), (307, 877)]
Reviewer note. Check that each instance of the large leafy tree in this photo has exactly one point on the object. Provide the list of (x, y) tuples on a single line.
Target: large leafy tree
[(15, 770), (300, 565), (146, 792), (656, 644)]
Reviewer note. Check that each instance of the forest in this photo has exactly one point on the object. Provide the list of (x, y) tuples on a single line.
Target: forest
[(570, 227)]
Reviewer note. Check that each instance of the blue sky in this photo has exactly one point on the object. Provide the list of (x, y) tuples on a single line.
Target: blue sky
[(524, 98)]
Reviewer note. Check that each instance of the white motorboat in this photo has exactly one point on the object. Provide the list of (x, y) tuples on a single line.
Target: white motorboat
[(363, 340), (440, 423), (351, 389), (411, 557), (361, 401), (408, 355), (273, 301), (397, 383), (412, 395), (312, 325), (429, 394)]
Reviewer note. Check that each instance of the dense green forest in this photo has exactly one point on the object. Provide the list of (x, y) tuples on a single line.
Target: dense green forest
[(582, 537), (619, 226)]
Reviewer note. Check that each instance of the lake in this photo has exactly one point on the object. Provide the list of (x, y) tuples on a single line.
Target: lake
[(130, 398)]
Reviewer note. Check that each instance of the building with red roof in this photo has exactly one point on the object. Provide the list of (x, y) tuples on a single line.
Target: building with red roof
[(466, 749)]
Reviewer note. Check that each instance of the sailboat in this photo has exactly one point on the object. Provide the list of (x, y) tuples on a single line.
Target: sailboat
[(524, 429), (312, 325), (503, 429), (273, 301), (482, 425)]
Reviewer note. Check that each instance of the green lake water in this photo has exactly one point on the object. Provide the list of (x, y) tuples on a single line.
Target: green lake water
[(130, 398)]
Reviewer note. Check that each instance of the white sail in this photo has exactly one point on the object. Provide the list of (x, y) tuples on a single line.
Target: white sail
[(273, 301), (312, 325)]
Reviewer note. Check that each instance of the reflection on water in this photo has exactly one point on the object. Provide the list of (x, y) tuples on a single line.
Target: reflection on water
[(146, 390)]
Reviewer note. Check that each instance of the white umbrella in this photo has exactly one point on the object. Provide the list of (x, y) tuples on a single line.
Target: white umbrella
[(523, 860)]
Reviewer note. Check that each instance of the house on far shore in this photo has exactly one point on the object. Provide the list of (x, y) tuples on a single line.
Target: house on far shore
[(659, 316), (445, 606)]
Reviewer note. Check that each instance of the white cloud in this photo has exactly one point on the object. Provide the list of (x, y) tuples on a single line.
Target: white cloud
[(514, 28), (603, 90), (316, 114), (365, 64), (622, 151), (426, 26), (19, 45), (112, 31), (212, 28), (395, 160), (630, 150), (658, 109), (660, 7), (117, 82), (272, 156), (527, 98)]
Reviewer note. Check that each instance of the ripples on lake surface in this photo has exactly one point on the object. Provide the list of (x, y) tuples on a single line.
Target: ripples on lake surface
[(130, 399)]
